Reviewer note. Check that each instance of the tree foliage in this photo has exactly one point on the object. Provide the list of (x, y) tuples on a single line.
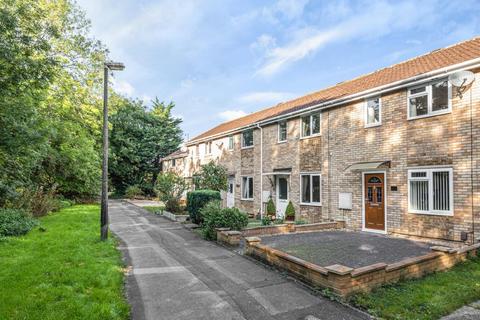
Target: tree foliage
[(170, 188), (211, 176), (139, 139)]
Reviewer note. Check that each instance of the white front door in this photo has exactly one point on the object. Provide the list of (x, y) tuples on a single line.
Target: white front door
[(231, 192), (282, 196)]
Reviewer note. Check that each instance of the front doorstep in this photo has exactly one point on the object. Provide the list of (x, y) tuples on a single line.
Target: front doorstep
[(344, 281), (374, 231)]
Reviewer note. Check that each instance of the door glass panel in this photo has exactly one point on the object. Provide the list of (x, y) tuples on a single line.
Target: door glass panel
[(370, 194), (282, 189), (374, 180), (230, 187), (379, 194)]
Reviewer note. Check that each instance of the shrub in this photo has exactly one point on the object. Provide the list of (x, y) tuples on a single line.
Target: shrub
[(14, 222), (271, 211), (197, 199), (301, 222), (133, 192), (170, 188), (214, 216), (211, 176), (266, 220), (290, 211), (38, 201)]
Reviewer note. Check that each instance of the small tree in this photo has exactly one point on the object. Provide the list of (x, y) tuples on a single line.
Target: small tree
[(170, 188), (290, 212), (211, 176), (271, 211)]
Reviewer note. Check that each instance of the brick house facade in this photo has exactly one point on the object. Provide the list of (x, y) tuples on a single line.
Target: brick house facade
[(400, 147)]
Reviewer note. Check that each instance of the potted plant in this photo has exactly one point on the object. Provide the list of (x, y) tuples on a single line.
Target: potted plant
[(290, 212)]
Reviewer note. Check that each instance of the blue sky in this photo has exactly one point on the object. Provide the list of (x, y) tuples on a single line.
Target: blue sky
[(220, 59)]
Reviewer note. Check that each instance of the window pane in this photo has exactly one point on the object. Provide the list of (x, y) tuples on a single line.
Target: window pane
[(305, 126), (418, 90), (419, 174), (244, 188), (373, 111), (440, 96), (282, 189), (418, 106), (315, 188), (230, 143), (247, 138), (282, 131), (306, 189), (250, 188), (316, 123), (419, 195), (441, 191)]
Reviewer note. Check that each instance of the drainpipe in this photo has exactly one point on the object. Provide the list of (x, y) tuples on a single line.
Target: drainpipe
[(261, 170)]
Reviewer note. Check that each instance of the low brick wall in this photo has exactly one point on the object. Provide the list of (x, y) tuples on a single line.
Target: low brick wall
[(175, 217), (292, 227), (344, 281)]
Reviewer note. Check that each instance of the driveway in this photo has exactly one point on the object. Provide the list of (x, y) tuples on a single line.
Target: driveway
[(176, 274)]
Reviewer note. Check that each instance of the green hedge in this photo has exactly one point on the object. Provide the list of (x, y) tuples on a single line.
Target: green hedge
[(214, 216), (197, 199), (15, 222)]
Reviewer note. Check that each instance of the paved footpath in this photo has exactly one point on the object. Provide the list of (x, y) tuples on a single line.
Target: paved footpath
[(177, 275)]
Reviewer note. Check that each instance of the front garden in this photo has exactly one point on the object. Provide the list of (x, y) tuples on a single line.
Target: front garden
[(61, 270)]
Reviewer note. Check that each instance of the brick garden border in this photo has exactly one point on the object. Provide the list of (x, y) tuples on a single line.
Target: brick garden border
[(344, 281)]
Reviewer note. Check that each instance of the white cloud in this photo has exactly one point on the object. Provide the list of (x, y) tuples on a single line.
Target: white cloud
[(123, 87), (265, 97), (232, 114), (263, 42), (357, 25)]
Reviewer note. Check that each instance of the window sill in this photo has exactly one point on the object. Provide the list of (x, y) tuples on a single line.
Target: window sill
[(430, 115), (373, 125), (429, 213), (280, 142), (312, 136), (242, 199), (249, 147), (311, 204)]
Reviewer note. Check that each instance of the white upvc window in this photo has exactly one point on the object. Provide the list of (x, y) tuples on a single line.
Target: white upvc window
[(208, 147), (430, 191), (174, 163), (311, 189), (282, 131), (373, 112), (247, 188), (311, 125), (230, 143), (247, 138), (429, 99)]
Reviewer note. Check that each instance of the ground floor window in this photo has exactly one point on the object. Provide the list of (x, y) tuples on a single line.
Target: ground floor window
[(430, 191), (247, 188), (310, 186)]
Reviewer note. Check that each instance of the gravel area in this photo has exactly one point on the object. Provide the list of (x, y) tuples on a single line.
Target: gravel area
[(352, 249)]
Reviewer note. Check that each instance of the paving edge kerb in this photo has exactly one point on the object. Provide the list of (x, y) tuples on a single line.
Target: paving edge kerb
[(344, 281)]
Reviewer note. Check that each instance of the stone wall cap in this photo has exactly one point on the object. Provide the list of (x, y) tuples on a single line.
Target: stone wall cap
[(367, 269), (222, 229), (467, 248), (233, 232), (409, 261), (339, 269), (252, 239), (442, 249)]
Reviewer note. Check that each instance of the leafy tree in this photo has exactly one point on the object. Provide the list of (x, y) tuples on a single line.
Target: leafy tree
[(211, 176), (170, 188), (139, 139)]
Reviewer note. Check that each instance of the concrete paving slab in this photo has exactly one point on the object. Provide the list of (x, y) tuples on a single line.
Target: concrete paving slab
[(465, 313)]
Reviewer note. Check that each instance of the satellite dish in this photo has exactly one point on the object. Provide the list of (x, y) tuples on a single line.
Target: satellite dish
[(461, 78)]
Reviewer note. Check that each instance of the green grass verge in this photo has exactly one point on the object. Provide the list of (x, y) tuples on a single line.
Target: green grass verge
[(65, 272), (431, 297), (154, 209), (252, 222)]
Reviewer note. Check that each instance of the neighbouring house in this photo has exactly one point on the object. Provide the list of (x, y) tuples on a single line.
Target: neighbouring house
[(393, 151), (175, 162)]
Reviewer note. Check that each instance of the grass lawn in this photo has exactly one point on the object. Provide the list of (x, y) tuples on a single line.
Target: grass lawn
[(154, 209), (65, 272), (253, 222), (431, 297)]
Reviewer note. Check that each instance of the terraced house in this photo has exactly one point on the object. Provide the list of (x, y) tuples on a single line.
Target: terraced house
[(393, 151)]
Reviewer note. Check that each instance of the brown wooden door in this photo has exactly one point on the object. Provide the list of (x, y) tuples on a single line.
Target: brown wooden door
[(374, 201)]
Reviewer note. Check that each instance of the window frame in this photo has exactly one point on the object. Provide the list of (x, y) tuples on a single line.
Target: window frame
[(243, 188), (429, 177), (278, 131), (208, 147), (310, 116), (311, 175), (243, 140), (231, 143), (365, 112), (428, 92), (174, 163)]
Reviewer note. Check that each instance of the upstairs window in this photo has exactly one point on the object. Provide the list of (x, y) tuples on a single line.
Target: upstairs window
[(282, 131), (247, 188), (174, 163), (429, 100), (430, 191), (311, 125), (247, 138), (373, 112), (208, 147), (230, 143)]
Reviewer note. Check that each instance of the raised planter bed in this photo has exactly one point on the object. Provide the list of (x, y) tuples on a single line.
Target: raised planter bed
[(175, 217), (343, 280)]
